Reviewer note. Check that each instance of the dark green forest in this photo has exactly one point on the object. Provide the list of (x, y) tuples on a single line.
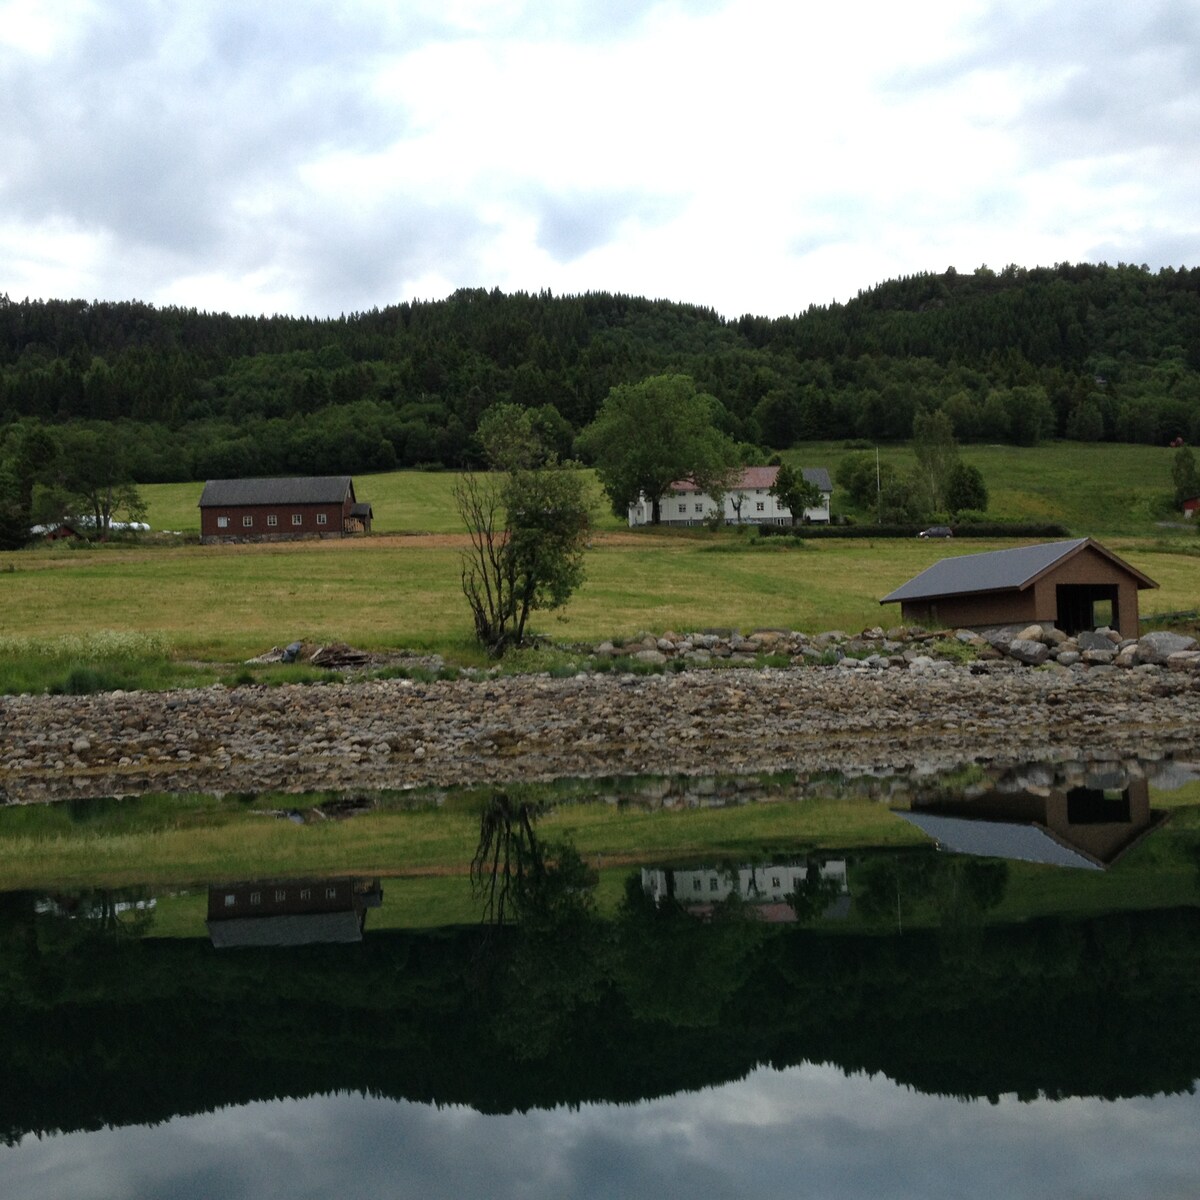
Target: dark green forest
[(582, 1010), (1089, 352)]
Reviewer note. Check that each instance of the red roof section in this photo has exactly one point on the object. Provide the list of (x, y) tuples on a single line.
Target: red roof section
[(751, 477)]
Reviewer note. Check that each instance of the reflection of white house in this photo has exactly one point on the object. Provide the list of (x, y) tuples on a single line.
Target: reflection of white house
[(756, 885), (748, 502)]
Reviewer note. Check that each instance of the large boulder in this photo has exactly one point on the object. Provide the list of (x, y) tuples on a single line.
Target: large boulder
[(1158, 646), (1027, 651), (1093, 640)]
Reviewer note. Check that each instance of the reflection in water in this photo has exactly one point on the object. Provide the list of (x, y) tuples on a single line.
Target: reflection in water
[(626, 1050), (290, 912), (774, 892), (1086, 827)]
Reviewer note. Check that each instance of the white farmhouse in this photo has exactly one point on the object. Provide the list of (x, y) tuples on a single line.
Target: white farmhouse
[(748, 502)]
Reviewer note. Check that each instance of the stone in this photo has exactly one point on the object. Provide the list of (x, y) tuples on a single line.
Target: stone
[(1184, 660), (1029, 651), (1158, 646), (1031, 633), (80, 746), (1093, 640), (1068, 658), (654, 657), (1127, 656), (1097, 658)]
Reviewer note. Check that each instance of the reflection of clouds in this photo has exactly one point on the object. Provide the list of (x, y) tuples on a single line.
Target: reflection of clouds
[(810, 1130)]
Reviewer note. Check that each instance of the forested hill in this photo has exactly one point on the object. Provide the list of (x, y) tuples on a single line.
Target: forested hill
[(1082, 351)]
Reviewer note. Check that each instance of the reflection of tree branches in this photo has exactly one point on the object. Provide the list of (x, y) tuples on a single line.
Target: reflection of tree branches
[(507, 858)]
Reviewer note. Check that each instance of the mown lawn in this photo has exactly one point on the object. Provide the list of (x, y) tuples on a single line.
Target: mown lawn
[(226, 603)]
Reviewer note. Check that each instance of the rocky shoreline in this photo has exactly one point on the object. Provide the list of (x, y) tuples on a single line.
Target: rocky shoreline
[(400, 733)]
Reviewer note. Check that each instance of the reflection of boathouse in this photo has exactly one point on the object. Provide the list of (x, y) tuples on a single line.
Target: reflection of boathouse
[(767, 888), (292, 912), (1088, 827)]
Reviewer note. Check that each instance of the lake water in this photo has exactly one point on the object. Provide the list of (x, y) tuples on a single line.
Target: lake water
[(866, 1022)]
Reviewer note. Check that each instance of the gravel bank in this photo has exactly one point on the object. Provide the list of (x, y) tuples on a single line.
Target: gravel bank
[(398, 733)]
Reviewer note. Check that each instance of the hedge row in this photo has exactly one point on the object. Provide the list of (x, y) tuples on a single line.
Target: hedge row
[(981, 530)]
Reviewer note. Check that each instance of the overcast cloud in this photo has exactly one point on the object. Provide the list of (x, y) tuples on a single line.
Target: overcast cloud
[(750, 155), (809, 1131)]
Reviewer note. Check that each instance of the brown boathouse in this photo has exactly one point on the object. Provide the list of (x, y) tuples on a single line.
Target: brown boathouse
[(270, 510), (1076, 586)]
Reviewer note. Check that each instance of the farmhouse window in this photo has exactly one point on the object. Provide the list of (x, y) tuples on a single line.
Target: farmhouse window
[(760, 507), (683, 508), (272, 519), (247, 522), (322, 518), (774, 880), (222, 522), (699, 508), (297, 518), (713, 884)]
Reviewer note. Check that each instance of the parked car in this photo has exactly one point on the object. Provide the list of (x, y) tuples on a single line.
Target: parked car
[(936, 531)]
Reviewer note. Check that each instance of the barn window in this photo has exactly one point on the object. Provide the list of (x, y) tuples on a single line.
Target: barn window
[(247, 522), (297, 519), (222, 522), (272, 519), (322, 519), (306, 893), (256, 897), (331, 893), (230, 899), (280, 894)]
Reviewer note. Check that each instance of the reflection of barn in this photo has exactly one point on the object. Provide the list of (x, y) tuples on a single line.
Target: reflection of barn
[(767, 888), (1088, 827), (291, 912), (1076, 586)]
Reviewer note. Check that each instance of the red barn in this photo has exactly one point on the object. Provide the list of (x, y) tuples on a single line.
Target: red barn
[(268, 510)]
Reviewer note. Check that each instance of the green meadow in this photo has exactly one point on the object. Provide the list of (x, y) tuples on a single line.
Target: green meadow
[(1093, 488), (400, 587)]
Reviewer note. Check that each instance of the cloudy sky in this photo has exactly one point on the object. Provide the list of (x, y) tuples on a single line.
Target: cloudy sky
[(749, 155), (808, 1131)]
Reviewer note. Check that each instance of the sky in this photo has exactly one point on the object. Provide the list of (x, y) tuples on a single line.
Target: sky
[(746, 155), (809, 1131)]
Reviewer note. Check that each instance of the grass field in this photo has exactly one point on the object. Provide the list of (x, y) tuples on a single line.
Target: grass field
[(1093, 488), (225, 603)]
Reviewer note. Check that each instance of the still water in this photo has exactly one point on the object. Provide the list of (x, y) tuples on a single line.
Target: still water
[(860, 1023)]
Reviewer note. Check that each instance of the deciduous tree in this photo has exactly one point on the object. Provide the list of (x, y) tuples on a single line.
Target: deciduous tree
[(647, 435)]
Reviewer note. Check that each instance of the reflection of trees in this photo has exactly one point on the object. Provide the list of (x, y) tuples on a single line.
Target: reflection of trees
[(814, 893), (675, 968), (957, 890), (508, 857)]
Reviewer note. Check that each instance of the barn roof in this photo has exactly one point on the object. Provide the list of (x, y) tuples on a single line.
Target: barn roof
[(1000, 571), (1023, 841), (763, 477), (309, 489)]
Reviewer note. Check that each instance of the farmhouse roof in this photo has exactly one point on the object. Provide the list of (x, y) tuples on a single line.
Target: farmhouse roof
[(762, 477), (1001, 571), (314, 489)]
